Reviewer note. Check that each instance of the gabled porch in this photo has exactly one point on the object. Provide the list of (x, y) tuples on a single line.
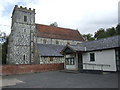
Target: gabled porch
[(73, 58)]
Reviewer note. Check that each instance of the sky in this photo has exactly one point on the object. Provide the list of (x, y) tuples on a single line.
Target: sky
[(87, 16)]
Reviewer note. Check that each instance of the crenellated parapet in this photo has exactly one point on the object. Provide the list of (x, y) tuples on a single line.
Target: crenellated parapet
[(24, 9)]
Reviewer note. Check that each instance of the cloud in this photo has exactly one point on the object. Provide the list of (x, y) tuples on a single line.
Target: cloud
[(85, 15)]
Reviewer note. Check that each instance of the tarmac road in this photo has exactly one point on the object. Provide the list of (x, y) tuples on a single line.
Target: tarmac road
[(56, 79)]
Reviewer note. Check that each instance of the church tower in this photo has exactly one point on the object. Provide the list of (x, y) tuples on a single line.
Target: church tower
[(22, 40)]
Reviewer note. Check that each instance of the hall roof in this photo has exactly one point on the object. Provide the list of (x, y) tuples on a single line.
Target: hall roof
[(101, 44)]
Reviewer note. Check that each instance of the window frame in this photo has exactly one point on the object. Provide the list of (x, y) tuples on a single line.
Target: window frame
[(25, 18), (92, 57)]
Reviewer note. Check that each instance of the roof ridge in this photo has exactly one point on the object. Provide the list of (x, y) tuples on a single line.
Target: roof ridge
[(58, 27), (46, 31), (102, 39)]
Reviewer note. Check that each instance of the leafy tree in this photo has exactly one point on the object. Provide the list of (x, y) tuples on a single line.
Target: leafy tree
[(100, 34), (88, 37), (4, 51), (3, 46), (54, 24), (118, 29), (110, 32)]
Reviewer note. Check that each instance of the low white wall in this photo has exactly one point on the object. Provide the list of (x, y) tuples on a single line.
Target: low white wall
[(101, 57), (70, 67)]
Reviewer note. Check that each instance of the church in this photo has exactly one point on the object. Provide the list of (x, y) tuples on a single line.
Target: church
[(31, 43)]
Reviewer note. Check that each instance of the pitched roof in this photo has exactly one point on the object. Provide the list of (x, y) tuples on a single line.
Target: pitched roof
[(50, 49), (101, 44), (46, 31), (106, 43)]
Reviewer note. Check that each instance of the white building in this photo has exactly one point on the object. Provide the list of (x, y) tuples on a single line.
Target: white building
[(103, 54)]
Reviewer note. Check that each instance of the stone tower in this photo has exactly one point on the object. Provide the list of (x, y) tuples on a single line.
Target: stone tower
[(22, 40)]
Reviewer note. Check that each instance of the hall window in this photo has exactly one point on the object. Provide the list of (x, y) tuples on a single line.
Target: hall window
[(25, 18), (92, 57)]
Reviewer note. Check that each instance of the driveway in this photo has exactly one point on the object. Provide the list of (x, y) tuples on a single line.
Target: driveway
[(56, 79)]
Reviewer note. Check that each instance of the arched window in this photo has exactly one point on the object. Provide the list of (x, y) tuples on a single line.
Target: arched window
[(24, 57)]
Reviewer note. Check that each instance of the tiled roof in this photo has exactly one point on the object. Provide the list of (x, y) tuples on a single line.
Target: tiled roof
[(50, 49), (46, 31), (106, 43)]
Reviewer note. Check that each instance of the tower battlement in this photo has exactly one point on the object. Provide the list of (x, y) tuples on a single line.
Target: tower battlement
[(25, 9)]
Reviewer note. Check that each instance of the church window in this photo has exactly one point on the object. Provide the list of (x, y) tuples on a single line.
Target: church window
[(25, 18), (57, 42), (44, 41), (68, 43), (51, 58)]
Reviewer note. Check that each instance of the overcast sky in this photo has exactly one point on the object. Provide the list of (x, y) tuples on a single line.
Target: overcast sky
[(85, 15)]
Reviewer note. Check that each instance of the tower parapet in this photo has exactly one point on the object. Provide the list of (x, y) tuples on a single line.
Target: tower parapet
[(24, 9)]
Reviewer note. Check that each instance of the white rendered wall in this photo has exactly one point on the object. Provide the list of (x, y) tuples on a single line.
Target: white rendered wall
[(101, 57)]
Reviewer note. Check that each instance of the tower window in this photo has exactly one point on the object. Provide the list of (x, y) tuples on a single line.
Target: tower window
[(24, 57), (25, 18)]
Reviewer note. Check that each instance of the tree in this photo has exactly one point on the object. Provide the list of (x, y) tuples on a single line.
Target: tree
[(118, 29), (88, 37), (100, 34), (4, 51), (54, 24), (3, 48), (110, 32)]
